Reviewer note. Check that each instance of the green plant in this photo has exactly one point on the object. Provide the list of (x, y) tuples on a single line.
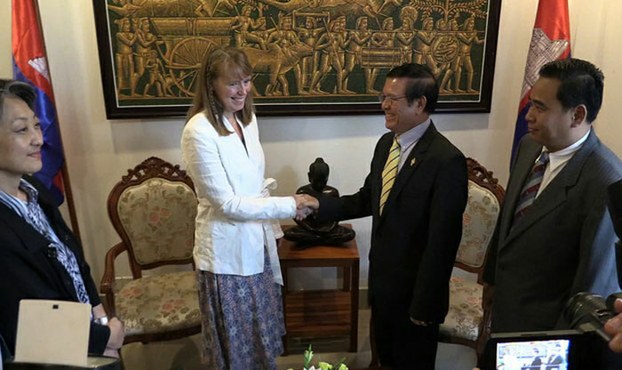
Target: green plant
[(308, 356)]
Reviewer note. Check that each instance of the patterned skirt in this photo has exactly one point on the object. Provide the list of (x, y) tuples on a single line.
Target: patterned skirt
[(242, 320)]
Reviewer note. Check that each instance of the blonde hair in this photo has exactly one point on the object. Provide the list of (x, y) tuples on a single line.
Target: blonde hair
[(227, 61)]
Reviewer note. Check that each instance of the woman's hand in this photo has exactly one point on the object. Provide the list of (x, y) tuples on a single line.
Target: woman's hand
[(305, 205), (306, 201), (117, 334)]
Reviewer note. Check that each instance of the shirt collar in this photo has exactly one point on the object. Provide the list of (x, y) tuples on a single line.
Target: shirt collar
[(567, 152), (414, 134), (30, 190)]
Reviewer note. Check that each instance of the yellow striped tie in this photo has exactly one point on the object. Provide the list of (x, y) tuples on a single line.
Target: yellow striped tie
[(390, 172)]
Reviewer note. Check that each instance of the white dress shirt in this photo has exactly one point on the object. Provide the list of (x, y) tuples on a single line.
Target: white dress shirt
[(558, 160)]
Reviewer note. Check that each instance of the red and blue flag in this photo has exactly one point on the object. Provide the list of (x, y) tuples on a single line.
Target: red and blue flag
[(30, 66), (550, 41)]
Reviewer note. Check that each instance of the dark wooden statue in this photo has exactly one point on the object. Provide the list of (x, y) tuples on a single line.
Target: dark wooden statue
[(312, 231)]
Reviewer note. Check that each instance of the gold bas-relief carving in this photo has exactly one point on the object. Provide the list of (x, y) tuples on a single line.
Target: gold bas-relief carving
[(316, 49)]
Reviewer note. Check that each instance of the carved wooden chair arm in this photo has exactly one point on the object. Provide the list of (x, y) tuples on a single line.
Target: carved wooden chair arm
[(487, 297), (107, 285)]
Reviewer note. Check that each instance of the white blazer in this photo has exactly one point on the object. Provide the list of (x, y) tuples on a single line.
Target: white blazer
[(232, 224)]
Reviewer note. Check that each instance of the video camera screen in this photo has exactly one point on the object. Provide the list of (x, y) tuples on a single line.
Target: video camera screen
[(555, 350), (533, 355)]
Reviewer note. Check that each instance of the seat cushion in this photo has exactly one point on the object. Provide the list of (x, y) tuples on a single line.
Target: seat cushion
[(159, 303), (465, 309)]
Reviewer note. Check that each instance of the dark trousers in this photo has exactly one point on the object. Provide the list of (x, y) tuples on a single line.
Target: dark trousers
[(402, 345)]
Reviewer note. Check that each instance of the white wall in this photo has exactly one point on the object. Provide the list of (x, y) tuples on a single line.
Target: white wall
[(99, 151)]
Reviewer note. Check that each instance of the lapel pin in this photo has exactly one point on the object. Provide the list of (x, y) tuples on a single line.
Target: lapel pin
[(413, 161)]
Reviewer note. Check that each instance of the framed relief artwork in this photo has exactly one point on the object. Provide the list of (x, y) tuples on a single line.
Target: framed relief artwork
[(308, 56)]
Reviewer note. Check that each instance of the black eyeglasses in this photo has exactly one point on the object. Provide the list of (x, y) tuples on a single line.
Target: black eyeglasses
[(391, 99)]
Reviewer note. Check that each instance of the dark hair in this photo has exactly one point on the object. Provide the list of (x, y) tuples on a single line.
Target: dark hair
[(220, 62), (581, 83), (17, 90), (422, 83)]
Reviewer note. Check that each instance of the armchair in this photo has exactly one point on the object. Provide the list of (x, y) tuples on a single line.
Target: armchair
[(467, 321), (153, 210)]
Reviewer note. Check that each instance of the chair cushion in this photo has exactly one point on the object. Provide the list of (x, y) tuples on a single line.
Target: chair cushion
[(479, 220), (465, 309), (160, 303)]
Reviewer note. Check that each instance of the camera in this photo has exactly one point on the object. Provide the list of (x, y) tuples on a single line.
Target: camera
[(580, 347), (584, 346), (588, 312)]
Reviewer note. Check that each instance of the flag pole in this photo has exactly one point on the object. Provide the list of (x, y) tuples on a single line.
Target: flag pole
[(70, 203)]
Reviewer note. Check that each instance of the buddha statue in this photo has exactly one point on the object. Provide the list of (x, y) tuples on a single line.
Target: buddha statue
[(311, 230)]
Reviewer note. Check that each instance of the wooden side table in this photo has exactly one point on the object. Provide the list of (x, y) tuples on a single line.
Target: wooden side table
[(321, 313)]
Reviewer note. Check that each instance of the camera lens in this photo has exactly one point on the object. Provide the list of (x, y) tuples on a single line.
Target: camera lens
[(587, 312), (579, 307)]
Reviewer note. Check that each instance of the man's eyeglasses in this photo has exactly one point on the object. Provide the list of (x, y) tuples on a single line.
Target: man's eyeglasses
[(391, 99)]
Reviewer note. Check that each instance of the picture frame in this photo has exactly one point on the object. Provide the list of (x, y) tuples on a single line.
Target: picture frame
[(310, 57)]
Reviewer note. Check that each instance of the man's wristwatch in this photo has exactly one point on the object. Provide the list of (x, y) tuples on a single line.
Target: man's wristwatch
[(101, 320)]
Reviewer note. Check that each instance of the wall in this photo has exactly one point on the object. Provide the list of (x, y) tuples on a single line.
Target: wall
[(99, 151)]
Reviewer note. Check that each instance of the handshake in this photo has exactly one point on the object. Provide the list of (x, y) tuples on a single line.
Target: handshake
[(305, 205)]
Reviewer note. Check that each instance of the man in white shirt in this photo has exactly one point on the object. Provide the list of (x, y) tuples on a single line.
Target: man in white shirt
[(549, 248)]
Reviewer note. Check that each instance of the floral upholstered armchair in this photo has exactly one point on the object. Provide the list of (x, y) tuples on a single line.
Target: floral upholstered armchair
[(467, 321), (153, 210)]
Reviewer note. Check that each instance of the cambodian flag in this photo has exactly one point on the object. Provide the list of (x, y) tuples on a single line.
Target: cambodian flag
[(550, 41), (30, 66)]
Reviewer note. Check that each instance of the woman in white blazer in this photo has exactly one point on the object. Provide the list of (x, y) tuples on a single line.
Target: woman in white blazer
[(235, 250)]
